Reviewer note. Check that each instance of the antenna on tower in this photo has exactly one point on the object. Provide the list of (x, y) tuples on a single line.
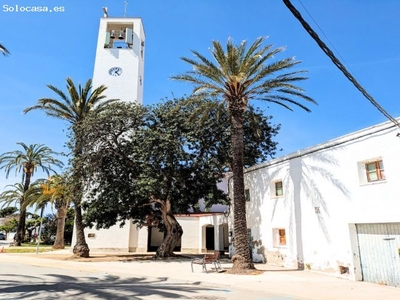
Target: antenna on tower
[(105, 10), (126, 4)]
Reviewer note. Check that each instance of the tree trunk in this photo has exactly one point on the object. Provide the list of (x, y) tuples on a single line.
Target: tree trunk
[(61, 215), (21, 227), (81, 248), (241, 259), (22, 213), (173, 232)]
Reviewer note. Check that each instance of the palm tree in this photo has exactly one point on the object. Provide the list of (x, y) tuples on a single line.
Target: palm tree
[(75, 107), (14, 193), (28, 161), (238, 75), (31, 196), (17, 194), (55, 191), (4, 50)]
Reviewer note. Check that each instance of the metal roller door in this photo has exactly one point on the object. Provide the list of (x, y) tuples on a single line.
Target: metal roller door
[(379, 252)]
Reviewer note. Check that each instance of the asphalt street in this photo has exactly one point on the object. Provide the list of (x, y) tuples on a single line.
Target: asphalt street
[(21, 281), (60, 276)]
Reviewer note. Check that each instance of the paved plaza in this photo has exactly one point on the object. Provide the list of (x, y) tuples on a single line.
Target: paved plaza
[(289, 284)]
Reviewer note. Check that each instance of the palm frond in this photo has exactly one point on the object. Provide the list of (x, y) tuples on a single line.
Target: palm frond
[(4, 50), (241, 72), (75, 105), (34, 156)]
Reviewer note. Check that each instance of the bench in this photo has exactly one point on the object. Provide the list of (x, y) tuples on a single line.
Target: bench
[(208, 259)]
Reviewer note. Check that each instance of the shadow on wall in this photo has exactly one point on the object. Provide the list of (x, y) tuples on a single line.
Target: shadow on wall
[(304, 177), (299, 180), (259, 190)]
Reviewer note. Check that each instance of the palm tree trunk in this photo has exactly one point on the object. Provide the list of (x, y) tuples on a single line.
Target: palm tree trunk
[(22, 213), (81, 248), (173, 232), (61, 215), (241, 259), (21, 226)]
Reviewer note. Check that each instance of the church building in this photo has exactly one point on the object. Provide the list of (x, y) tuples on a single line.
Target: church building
[(119, 65)]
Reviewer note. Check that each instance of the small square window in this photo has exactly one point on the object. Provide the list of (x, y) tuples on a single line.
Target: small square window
[(247, 194), (279, 237), (375, 171), (371, 171)]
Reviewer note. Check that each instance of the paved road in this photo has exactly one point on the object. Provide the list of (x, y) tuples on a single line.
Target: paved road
[(21, 281), (36, 276)]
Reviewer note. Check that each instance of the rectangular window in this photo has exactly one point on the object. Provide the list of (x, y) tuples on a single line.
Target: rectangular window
[(375, 171), (247, 194), (282, 237), (278, 189), (279, 237)]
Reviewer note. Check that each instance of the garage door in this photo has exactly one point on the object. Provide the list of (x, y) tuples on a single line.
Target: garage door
[(379, 252)]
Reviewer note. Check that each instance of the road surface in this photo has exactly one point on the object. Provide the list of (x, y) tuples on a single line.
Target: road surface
[(21, 281)]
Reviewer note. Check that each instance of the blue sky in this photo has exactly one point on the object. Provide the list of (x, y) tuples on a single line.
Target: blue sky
[(48, 47)]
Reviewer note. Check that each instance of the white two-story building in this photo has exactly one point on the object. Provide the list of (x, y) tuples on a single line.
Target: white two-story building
[(334, 207)]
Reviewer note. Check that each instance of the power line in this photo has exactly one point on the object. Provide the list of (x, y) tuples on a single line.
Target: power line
[(336, 61), (326, 37)]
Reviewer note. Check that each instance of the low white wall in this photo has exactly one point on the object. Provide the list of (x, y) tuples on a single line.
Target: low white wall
[(114, 238), (190, 238)]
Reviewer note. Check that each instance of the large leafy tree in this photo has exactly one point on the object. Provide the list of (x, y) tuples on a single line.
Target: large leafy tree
[(9, 210), (4, 50), (8, 213), (237, 75), (10, 225), (74, 106), (151, 163), (27, 162), (257, 128)]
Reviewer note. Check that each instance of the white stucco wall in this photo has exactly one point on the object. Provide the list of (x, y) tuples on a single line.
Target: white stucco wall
[(128, 238), (114, 238), (194, 232), (190, 238), (324, 196), (137, 238), (142, 235)]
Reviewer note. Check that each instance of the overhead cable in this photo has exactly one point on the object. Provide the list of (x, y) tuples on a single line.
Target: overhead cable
[(336, 61)]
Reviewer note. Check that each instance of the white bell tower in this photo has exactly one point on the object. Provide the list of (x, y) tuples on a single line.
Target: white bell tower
[(119, 61)]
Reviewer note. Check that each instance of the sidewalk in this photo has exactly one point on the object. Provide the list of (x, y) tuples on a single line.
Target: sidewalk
[(286, 282)]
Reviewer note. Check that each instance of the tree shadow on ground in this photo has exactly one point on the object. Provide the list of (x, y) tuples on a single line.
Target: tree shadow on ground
[(127, 258), (98, 286)]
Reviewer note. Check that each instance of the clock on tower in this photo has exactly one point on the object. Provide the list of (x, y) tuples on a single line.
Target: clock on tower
[(115, 71)]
